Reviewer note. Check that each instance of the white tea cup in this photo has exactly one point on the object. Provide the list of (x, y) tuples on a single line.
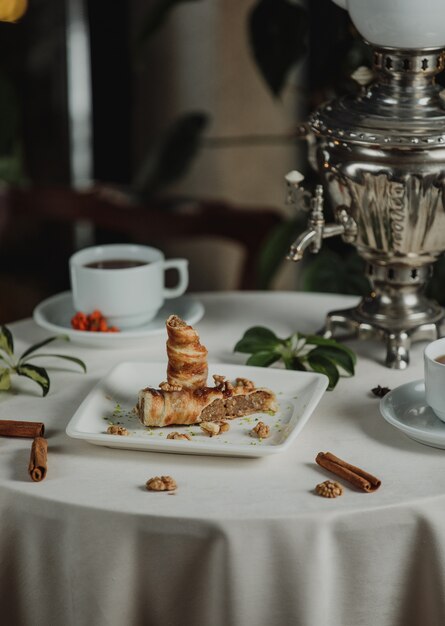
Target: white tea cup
[(398, 23), (126, 282), (435, 377)]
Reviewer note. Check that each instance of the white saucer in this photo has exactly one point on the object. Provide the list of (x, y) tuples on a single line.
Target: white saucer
[(55, 314), (405, 408)]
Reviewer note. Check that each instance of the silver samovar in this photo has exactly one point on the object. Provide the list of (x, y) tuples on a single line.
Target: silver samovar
[(381, 157)]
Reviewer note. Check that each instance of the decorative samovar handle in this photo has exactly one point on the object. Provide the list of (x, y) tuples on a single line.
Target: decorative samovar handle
[(317, 230)]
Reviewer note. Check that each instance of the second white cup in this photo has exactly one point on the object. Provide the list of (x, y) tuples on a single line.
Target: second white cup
[(126, 282), (434, 361)]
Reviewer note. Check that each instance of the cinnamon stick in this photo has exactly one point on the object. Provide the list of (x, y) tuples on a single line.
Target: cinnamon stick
[(38, 460), (13, 428), (358, 477)]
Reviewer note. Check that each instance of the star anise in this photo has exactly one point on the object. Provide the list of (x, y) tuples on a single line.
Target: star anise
[(380, 391)]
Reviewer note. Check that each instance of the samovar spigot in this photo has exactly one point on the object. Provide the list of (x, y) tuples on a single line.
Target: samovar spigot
[(317, 230)]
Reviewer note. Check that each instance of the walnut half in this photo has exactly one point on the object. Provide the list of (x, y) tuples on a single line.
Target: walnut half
[(261, 430), (161, 483), (244, 382), (210, 428), (329, 489), (177, 435), (221, 383), (117, 430), (165, 386), (215, 428)]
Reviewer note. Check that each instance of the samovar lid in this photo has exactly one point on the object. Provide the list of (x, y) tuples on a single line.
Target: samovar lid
[(401, 108)]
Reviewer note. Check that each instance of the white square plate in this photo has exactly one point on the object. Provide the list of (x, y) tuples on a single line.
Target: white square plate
[(114, 397)]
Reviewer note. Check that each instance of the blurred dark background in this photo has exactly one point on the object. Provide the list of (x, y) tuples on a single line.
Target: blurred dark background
[(159, 122)]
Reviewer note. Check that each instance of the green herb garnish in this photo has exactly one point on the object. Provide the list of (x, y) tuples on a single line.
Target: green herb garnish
[(298, 352), (22, 366)]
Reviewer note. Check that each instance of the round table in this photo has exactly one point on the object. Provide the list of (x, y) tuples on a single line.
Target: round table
[(243, 541)]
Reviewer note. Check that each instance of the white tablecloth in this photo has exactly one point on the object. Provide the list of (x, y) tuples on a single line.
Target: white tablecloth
[(243, 541)]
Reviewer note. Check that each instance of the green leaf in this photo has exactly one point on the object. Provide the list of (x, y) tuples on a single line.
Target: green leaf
[(263, 358), (323, 365), (6, 340), (36, 346), (9, 113), (37, 374), (297, 364), (11, 166), (256, 339), (73, 359), (295, 343), (278, 31), (5, 378), (157, 16), (317, 340), (435, 286), (169, 160), (327, 357), (273, 252), (293, 363), (337, 357), (330, 272)]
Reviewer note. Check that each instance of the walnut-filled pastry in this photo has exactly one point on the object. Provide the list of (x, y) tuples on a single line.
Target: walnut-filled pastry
[(187, 358), (167, 406)]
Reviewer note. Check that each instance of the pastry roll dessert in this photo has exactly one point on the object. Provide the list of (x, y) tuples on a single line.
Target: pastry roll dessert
[(187, 358), (174, 405)]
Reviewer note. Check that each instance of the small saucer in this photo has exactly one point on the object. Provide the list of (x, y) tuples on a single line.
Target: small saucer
[(55, 314), (406, 409)]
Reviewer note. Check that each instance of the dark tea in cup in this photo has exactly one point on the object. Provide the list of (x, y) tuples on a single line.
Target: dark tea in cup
[(116, 264)]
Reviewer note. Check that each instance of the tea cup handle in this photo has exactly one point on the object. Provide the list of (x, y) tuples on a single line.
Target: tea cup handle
[(341, 3), (181, 265)]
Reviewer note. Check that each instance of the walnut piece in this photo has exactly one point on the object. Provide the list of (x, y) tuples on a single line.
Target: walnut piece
[(165, 386), (221, 383), (210, 428), (329, 489), (245, 382), (261, 430), (117, 430), (161, 483), (215, 428), (177, 435)]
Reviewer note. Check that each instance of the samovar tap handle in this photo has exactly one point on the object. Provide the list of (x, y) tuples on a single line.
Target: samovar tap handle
[(349, 224), (317, 230), (296, 194), (313, 236)]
